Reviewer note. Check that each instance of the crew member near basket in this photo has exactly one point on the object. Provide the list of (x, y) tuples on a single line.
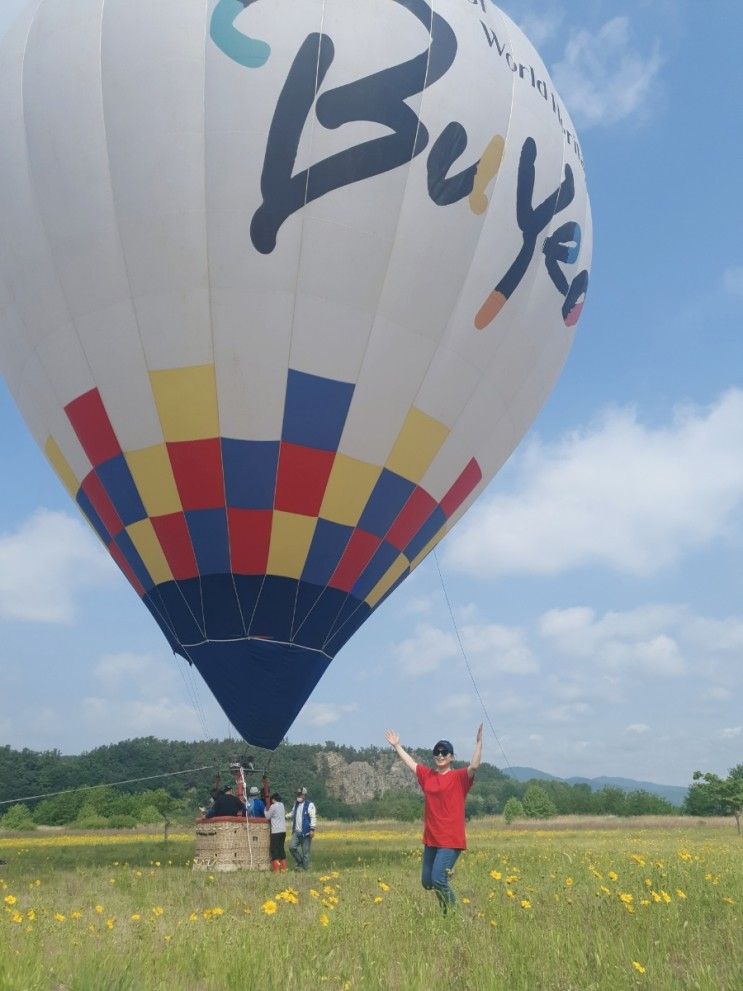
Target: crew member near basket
[(445, 790)]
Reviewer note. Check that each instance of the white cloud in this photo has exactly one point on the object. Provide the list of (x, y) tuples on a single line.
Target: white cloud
[(112, 719), (731, 732), (638, 729), (422, 652), (492, 648), (616, 494), (732, 280), (567, 713), (603, 79), (319, 714), (45, 563), (638, 639), (135, 674), (717, 694), (542, 26)]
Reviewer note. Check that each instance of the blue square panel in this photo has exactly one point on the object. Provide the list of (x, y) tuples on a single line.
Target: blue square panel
[(315, 411)]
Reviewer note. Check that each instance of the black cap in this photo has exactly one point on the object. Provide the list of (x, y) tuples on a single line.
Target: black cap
[(443, 745)]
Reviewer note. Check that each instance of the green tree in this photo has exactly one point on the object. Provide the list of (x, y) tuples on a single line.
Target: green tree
[(537, 804), (17, 817), (513, 809), (724, 796)]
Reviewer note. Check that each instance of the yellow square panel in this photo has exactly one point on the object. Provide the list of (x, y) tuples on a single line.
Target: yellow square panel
[(148, 547), (417, 445), (291, 536), (186, 400), (153, 477), (348, 490), (387, 580), (59, 463)]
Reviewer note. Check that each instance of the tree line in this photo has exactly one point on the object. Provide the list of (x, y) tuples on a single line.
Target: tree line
[(29, 773)]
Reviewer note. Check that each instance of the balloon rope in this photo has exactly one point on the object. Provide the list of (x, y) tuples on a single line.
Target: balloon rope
[(108, 784), (466, 661)]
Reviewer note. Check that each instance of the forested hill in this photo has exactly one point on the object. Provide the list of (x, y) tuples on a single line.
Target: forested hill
[(343, 781)]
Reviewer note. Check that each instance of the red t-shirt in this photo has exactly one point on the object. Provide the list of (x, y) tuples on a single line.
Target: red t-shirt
[(443, 818)]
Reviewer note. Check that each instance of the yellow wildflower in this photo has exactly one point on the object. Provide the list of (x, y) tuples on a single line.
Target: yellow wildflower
[(569, 882), (110, 923), (314, 893), (158, 911), (31, 915), (644, 902), (604, 889), (58, 917), (510, 893), (465, 901), (136, 917), (324, 920), (526, 903), (76, 915), (613, 876), (680, 894), (378, 900), (638, 859), (496, 875), (665, 896), (17, 918), (638, 967), (729, 901), (269, 907), (626, 898), (384, 887), (10, 900), (99, 909)]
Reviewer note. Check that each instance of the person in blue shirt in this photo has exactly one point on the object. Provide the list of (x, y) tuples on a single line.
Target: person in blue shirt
[(256, 806)]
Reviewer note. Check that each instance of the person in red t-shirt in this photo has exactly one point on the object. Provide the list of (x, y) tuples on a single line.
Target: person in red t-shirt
[(445, 790)]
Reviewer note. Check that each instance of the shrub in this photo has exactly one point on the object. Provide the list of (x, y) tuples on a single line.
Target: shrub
[(91, 822), (513, 809), (122, 822), (17, 817), (150, 814), (537, 803)]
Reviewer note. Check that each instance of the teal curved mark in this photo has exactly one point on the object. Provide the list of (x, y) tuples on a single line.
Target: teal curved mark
[(238, 46)]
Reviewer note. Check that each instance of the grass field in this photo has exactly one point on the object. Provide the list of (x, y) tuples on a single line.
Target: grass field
[(555, 909)]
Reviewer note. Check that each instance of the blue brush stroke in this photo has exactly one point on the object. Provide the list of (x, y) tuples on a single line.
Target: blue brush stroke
[(238, 46)]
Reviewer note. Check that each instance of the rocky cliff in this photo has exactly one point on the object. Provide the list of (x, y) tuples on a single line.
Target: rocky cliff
[(359, 781)]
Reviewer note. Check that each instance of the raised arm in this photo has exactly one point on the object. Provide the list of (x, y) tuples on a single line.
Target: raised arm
[(477, 755), (394, 741)]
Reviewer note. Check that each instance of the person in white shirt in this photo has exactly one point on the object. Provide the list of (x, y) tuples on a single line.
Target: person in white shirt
[(276, 815), (303, 818)]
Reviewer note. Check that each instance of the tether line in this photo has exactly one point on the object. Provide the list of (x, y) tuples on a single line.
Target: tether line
[(105, 784), (466, 661)]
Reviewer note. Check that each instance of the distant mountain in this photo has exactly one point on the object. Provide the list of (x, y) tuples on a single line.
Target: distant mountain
[(675, 794)]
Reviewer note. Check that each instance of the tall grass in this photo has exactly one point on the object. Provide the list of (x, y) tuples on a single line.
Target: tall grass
[(556, 910)]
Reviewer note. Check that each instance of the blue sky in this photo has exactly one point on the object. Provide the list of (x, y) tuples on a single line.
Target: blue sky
[(597, 584)]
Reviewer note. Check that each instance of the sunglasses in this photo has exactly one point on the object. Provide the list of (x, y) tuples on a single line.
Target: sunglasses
[(441, 753)]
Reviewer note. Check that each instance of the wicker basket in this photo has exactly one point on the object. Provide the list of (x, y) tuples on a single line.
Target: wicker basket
[(232, 844)]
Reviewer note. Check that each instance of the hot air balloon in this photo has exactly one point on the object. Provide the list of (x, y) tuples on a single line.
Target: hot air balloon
[(282, 285)]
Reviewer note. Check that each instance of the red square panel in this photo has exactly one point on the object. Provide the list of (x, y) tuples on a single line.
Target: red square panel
[(411, 518), (119, 558), (302, 479), (197, 467), (98, 496), (358, 553), (90, 422), (250, 536), (175, 540), (464, 485)]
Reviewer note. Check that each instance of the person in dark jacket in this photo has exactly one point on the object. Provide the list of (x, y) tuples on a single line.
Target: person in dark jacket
[(226, 803)]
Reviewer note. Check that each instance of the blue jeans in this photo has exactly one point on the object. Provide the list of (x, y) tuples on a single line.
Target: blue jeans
[(438, 864), (300, 849)]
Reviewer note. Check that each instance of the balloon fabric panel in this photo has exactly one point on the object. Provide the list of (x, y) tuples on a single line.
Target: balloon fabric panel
[(279, 297)]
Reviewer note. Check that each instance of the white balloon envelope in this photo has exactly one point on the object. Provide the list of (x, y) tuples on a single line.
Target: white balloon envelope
[(282, 285)]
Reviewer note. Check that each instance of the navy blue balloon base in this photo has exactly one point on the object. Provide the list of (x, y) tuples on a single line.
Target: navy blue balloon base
[(261, 685)]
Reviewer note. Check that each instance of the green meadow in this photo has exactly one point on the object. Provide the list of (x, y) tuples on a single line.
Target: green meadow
[(562, 909)]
